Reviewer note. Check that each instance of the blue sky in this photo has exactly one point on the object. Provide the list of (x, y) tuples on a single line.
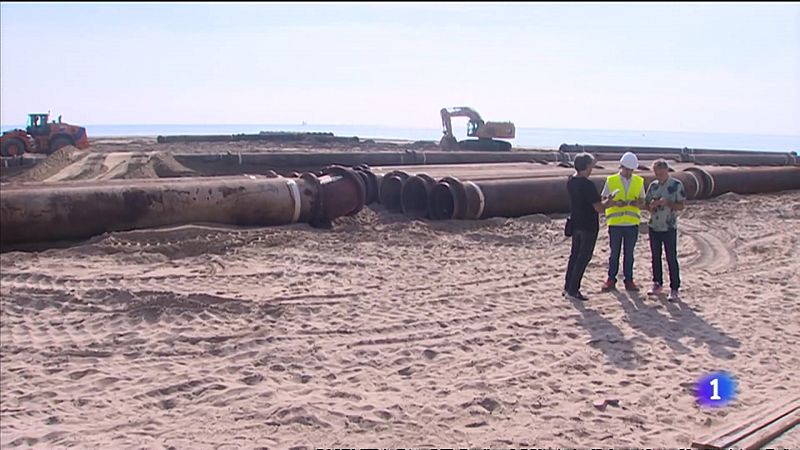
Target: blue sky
[(730, 68)]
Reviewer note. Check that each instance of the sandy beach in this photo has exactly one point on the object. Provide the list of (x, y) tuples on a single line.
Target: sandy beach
[(336, 225), (388, 332)]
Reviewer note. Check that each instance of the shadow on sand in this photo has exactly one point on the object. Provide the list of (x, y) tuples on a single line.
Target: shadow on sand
[(681, 322), (607, 337)]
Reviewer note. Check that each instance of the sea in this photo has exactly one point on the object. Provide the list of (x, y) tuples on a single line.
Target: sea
[(526, 137)]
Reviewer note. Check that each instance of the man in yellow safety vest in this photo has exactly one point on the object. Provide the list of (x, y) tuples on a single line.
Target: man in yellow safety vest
[(623, 216)]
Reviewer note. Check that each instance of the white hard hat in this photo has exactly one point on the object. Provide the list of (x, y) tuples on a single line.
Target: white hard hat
[(629, 160)]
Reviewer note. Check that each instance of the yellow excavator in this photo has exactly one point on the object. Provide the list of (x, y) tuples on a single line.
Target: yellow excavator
[(486, 132)]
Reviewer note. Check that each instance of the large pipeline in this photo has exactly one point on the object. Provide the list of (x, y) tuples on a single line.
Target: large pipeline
[(452, 198), (415, 191), (394, 183), (721, 159), (285, 162), (615, 157), (752, 180), (578, 148), (785, 159), (697, 156), (391, 178), (448, 169), (30, 214), (288, 162)]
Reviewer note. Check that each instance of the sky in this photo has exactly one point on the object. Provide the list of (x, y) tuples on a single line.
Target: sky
[(692, 67)]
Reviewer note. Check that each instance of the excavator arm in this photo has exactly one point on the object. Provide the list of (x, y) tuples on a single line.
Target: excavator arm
[(460, 111)]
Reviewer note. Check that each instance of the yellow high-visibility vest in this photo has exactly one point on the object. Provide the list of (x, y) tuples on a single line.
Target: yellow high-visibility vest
[(624, 215)]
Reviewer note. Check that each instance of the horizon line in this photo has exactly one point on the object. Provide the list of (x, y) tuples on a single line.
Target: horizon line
[(408, 127)]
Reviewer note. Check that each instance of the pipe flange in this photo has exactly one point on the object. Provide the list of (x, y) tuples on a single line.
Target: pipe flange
[(459, 197), (393, 175), (351, 175), (697, 185), (480, 206), (371, 184), (427, 184), (317, 206), (708, 183)]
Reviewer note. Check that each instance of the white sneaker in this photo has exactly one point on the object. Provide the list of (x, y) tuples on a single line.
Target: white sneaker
[(673, 296)]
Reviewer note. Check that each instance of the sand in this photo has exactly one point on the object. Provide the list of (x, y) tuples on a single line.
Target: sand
[(385, 332), (71, 164)]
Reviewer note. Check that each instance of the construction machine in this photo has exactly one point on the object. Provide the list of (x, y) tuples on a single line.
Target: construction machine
[(485, 132), (42, 136)]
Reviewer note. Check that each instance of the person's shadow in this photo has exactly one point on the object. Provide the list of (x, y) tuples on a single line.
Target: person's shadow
[(607, 337), (682, 322)]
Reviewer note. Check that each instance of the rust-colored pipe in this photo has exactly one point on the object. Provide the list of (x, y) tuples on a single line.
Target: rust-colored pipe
[(414, 195), (400, 191), (504, 198), (731, 159), (447, 169), (390, 191), (456, 199), (696, 182), (417, 191), (605, 156), (417, 198), (371, 185), (30, 214), (393, 176), (578, 148), (452, 198), (340, 192), (785, 159), (753, 180), (396, 198), (616, 149), (489, 157), (234, 163)]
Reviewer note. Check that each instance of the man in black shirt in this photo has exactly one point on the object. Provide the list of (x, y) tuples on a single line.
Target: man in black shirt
[(585, 204)]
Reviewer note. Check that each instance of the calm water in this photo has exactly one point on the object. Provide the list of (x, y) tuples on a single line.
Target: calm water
[(526, 137)]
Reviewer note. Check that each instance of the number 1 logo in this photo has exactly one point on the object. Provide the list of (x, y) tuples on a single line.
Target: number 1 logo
[(715, 385), (716, 389)]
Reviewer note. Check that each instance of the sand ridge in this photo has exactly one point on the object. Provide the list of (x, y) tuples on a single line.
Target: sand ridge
[(71, 164)]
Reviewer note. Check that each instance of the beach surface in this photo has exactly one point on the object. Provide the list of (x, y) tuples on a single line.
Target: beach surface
[(389, 332), (393, 333)]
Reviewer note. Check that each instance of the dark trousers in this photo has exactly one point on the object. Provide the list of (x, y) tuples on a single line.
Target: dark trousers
[(582, 249), (619, 234), (669, 240)]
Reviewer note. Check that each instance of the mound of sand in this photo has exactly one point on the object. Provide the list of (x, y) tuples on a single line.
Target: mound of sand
[(69, 164), (51, 165), (159, 165)]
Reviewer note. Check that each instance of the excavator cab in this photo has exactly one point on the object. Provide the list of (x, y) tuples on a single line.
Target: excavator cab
[(37, 124)]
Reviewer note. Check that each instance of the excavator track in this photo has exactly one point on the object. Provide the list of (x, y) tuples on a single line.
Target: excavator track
[(489, 145)]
